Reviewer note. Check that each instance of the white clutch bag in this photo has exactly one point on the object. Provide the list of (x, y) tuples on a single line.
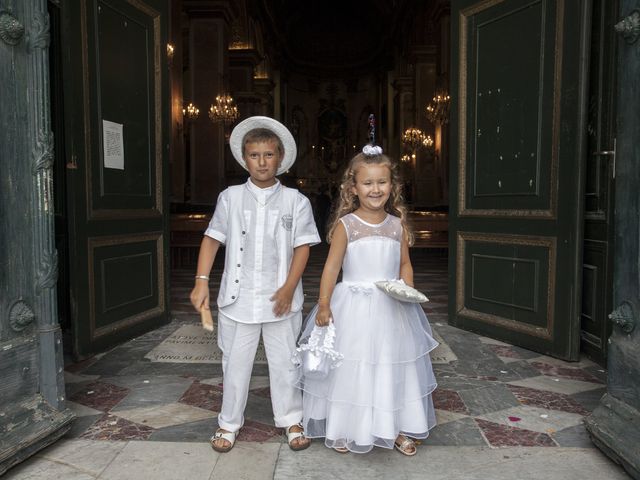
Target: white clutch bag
[(317, 357), (401, 291)]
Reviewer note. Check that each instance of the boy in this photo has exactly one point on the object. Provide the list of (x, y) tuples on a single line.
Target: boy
[(267, 230)]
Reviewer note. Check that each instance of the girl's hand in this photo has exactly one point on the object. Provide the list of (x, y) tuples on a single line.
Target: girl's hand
[(324, 316), (200, 295), (282, 301)]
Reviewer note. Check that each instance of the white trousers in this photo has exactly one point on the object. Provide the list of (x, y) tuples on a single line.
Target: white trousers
[(239, 342)]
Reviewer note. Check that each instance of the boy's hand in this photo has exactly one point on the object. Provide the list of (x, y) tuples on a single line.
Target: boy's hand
[(324, 315), (200, 296), (282, 301)]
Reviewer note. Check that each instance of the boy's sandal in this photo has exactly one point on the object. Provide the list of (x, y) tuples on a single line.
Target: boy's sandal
[(228, 436), (291, 436), (406, 446)]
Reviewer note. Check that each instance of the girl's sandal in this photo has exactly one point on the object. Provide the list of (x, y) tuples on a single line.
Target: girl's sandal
[(341, 449), (405, 446), (291, 436), (228, 436)]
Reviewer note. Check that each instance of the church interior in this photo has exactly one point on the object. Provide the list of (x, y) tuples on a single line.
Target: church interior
[(130, 360), (327, 70)]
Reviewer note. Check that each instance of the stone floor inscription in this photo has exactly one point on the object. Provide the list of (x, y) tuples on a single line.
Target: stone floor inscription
[(193, 344)]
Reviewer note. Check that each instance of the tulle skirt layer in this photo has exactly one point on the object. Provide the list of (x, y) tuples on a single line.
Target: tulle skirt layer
[(383, 386)]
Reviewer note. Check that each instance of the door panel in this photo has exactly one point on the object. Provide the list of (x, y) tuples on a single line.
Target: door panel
[(509, 147), (126, 93), (595, 279), (599, 191), (501, 285), (517, 181), (118, 222), (139, 259)]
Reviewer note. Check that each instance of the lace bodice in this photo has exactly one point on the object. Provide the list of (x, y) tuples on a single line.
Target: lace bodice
[(357, 228), (373, 250)]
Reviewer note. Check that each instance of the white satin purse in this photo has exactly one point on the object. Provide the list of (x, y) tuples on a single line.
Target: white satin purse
[(318, 357)]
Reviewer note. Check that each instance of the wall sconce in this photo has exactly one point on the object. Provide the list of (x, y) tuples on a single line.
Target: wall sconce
[(170, 51), (190, 112), (406, 158)]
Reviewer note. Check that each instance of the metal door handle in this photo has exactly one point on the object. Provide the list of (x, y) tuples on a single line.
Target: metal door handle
[(609, 153), (11, 30)]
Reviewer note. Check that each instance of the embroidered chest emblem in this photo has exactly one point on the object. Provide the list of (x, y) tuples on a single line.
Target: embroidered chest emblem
[(287, 222)]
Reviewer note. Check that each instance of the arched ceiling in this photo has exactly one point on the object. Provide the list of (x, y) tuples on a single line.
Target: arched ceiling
[(333, 37)]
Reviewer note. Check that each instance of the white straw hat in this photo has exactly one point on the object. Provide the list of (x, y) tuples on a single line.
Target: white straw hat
[(289, 144)]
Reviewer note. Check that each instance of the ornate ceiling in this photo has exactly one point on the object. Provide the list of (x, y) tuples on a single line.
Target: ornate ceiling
[(337, 38)]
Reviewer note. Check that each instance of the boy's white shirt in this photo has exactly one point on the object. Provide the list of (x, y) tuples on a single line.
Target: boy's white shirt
[(249, 220)]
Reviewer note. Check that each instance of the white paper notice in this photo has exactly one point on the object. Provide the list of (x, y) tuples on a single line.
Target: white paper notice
[(113, 144)]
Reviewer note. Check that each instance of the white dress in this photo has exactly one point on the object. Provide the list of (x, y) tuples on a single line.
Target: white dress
[(383, 386)]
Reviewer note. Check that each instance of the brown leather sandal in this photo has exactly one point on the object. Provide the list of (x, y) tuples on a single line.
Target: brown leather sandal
[(405, 446)]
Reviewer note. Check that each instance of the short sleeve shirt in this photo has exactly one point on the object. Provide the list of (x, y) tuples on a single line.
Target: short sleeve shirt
[(258, 280)]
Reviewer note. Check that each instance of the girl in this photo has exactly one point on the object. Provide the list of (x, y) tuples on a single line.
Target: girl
[(381, 394)]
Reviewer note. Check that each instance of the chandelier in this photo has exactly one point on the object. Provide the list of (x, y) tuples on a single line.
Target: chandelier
[(438, 110), (190, 112), (414, 138), (224, 110)]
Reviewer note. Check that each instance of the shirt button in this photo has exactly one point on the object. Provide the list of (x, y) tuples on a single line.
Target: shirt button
[(233, 298), (243, 232), (238, 265), (237, 280), (241, 249)]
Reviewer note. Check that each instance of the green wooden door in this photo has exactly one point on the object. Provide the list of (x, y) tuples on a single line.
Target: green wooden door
[(597, 278), (517, 176), (116, 107)]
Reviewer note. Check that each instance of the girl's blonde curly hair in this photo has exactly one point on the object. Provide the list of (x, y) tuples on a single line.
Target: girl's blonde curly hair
[(348, 201)]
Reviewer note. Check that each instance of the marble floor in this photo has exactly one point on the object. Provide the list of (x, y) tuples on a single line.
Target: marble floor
[(490, 394)]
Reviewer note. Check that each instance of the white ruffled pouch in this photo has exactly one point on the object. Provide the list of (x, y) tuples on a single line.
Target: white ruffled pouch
[(318, 356)]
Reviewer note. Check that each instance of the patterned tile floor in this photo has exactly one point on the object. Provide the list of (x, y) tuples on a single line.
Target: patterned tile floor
[(493, 394)]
